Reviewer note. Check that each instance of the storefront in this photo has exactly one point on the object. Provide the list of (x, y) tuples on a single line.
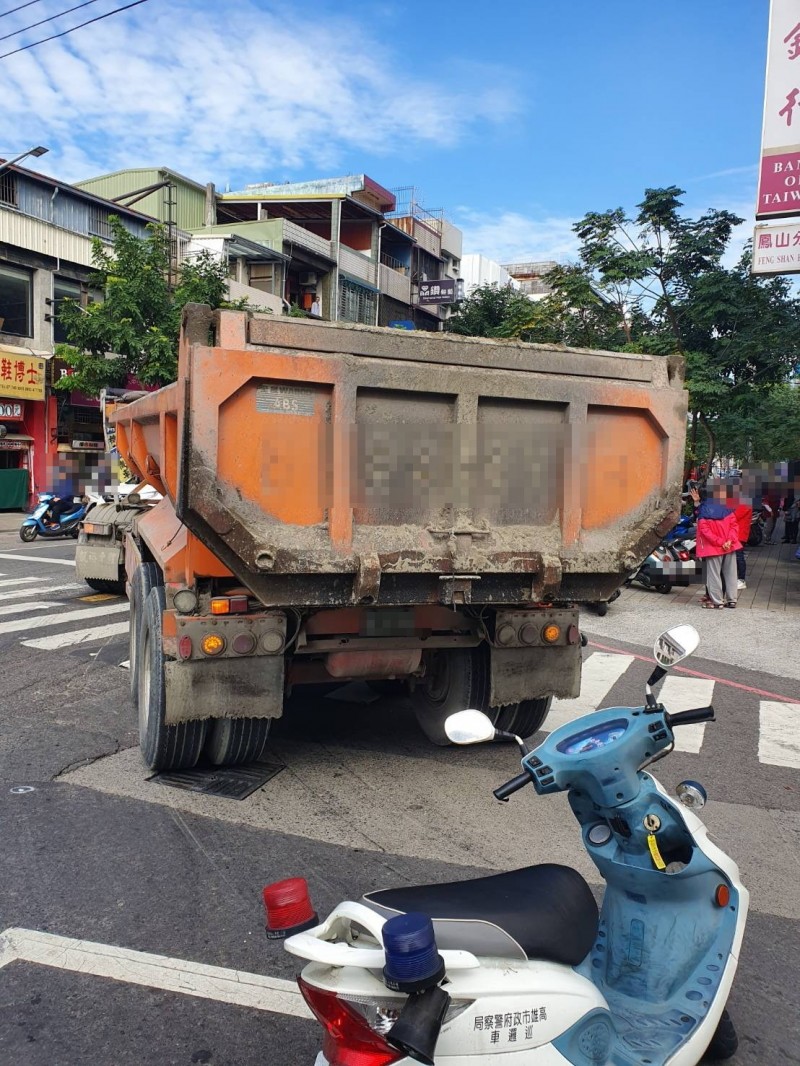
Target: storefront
[(23, 431)]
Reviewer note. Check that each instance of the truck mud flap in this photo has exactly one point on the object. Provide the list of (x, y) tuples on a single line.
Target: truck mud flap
[(99, 561), (530, 673), (224, 688)]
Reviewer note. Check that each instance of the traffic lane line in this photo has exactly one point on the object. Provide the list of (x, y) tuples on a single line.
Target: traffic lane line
[(17, 608), (699, 673), (6, 595), (38, 559), (85, 614), (76, 636), (236, 987), (779, 735)]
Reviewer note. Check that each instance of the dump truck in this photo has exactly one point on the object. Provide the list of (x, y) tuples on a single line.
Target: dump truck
[(344, 502)]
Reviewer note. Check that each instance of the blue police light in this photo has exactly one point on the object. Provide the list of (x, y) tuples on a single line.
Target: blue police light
[(413, 962)]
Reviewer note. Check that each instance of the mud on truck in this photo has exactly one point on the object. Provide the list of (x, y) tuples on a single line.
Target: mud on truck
[(343, 502)]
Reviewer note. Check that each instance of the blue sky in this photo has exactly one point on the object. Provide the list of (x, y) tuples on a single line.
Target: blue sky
[(517, 117)]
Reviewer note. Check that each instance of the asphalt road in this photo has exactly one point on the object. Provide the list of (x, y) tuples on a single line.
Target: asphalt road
[(94, 852)]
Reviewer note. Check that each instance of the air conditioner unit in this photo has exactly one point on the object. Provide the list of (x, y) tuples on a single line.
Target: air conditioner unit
[(308, 278)]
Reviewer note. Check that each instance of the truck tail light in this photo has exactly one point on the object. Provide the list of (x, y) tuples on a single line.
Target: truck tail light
[(185, 647), (229, 605), (551, 633), (213, 644)]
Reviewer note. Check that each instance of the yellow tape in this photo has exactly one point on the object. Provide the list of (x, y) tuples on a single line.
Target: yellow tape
[(655, 854)]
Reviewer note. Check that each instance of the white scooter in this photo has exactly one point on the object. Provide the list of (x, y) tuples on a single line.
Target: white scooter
[(520, 968)]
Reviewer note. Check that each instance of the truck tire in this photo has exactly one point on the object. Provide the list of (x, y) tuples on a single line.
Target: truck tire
[(147, 576), (524, 718), (232, 741), (100, 584), (455, 680), (163, 747)]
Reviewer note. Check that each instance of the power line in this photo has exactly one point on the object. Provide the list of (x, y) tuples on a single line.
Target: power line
[(55, 36), (13, 9), (41, 22)]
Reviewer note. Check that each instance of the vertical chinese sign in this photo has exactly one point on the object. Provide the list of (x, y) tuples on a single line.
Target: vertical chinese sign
[(779, 175)]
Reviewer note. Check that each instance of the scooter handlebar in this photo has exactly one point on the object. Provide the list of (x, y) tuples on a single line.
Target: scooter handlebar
[(512, 786), (699, 714)]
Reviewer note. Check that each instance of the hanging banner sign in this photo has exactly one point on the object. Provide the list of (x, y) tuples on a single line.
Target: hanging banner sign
[(776, 248), (21, 375), (779, 175)]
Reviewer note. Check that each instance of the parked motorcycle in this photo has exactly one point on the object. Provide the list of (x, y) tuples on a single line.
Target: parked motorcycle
[(520, 967), (36, 524), (668, 565)]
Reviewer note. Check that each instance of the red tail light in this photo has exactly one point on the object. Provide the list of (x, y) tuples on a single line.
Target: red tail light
[(684, 555), (349, 1041)]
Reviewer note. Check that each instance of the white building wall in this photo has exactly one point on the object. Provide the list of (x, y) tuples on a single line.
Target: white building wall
[(479, 270)]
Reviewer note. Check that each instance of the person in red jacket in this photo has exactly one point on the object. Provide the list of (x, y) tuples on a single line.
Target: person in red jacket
[(717, 544), (743, 514)]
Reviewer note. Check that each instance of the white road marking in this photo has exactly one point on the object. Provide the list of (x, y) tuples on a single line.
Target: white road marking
[(16, 608), (35, 590), (779, 736), (12, 582), (601, 671), (154, 971), (685, 694), (38, 559), (76, 636), (85, 615), (125, 664)]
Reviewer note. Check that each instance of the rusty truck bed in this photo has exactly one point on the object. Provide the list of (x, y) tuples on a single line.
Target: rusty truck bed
[(333, 464)]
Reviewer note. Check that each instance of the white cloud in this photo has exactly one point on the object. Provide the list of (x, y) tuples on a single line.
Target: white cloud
[(238, 90), (509, 236)]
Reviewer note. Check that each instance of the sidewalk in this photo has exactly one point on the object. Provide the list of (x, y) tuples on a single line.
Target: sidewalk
[(10, 521), (773, 583)]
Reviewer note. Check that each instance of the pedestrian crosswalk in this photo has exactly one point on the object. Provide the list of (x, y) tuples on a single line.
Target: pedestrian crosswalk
[(31, 613), (778, 720), (27, 606)]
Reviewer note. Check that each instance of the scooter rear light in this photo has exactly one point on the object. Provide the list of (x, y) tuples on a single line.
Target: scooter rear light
[(684, 555), (349, 1040), (288, 907)]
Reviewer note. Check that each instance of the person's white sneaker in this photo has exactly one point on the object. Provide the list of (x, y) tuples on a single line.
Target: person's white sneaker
[(740, 584)]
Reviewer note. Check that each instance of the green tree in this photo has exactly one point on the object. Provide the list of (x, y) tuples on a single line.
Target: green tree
[(493, 311), (134, 329), (740, 333)]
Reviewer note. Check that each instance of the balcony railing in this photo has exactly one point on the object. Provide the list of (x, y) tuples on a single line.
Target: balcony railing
[(395, 264), (396, 285), (294, 234), (357, 265)]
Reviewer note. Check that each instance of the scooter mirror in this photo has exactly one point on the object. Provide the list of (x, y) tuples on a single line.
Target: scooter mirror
[(676, 644), (469, 727)]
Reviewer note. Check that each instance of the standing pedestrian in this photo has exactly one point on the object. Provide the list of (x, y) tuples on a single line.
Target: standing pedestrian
[(791, 519), (743, 513), (717, 544)]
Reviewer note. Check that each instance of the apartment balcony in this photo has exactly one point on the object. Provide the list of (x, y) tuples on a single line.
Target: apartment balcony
[(294, 234), (395, 284), (358, 265), (257, 297)]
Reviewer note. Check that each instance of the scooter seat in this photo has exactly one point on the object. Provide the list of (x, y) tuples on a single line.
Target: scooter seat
[(540, 912)]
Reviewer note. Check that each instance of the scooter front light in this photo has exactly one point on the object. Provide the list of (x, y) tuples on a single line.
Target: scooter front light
[(692, 794)]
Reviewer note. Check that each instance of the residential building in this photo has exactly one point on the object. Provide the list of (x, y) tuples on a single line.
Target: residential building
[(530, 277), (48, 439), (345, 249), (436, 258), (478, 270), (346, 256)]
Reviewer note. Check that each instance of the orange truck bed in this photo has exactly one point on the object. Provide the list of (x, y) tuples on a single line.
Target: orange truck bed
[(342, 502), (330, 464)]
